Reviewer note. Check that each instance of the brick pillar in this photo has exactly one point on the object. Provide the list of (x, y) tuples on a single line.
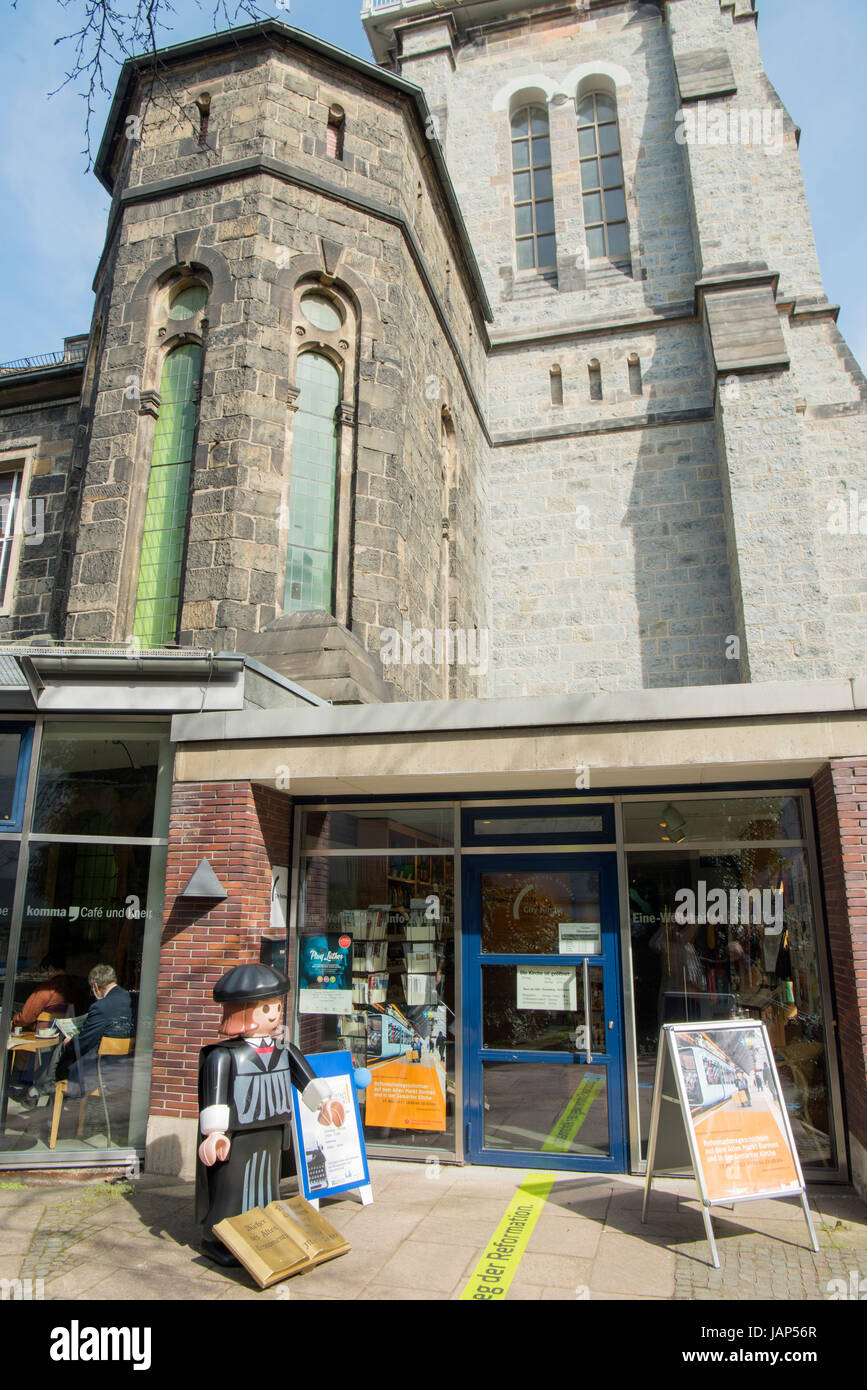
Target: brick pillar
[(841, 806), (242, 830)]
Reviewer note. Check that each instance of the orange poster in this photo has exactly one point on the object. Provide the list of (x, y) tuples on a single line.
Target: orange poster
[(404, 1095), (742, 1154), (736, 1112)]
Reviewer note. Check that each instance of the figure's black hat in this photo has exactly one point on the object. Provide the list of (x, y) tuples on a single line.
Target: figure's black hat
[(247, 983)]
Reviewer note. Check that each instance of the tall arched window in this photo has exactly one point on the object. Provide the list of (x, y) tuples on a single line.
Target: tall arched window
[(535, 241), (313, 483), (159, 585), (602, 178)]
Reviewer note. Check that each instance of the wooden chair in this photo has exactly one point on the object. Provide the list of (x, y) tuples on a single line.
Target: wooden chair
[(108, 1047)]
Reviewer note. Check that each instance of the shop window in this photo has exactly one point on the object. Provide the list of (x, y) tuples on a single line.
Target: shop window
[(95, 785), (377, 829), (160, 583), (313, 494), (85, 920), (723, 924), (391, 915)]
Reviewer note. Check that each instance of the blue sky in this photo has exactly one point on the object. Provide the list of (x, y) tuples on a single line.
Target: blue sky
[(51, 234)]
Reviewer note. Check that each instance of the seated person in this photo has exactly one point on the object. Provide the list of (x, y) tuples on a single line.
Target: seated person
[(56, 993), (111, 1015)]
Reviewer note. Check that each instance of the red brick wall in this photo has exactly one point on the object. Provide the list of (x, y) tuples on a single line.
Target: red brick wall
[(841, 804), (242, 830)]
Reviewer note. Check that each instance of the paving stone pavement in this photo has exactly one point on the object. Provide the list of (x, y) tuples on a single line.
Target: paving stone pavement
[(424, 1234)]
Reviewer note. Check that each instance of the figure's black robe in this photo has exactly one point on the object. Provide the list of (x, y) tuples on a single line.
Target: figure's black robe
[(258, 1091)]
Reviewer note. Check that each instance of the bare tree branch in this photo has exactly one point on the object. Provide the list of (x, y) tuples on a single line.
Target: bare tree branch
[(110, 31)]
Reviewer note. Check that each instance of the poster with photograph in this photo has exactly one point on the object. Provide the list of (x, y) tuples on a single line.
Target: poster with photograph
[(406, 1054), (325, 974), (741, 1134), (330, 1159)]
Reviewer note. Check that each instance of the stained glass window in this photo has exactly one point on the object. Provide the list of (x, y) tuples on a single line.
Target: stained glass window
[(313, 487), (159, 585)]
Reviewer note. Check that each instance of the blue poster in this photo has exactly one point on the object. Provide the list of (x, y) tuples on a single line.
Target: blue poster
[(330, 1158), (325, 974)]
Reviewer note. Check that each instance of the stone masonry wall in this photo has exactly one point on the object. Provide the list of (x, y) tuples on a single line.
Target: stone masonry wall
[(378, 219), (49, 432), (786, 441)]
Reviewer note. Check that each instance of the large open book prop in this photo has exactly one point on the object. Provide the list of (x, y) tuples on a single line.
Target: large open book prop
[(282, 1239)]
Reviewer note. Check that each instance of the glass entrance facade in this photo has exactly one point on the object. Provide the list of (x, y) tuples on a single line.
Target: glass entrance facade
[(81, 886), (710, 908)]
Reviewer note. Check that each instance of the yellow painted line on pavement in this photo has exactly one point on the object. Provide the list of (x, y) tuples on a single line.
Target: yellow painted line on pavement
[(562, 1136), (492, 1276), (496, 1269)]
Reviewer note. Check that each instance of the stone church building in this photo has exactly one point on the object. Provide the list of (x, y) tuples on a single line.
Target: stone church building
[(445, 542)]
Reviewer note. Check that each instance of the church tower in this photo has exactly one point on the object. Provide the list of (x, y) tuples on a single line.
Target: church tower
[(676, 419)]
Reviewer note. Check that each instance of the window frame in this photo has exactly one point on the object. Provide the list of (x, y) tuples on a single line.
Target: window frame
[(600, 190), (288, 604), (15, 823), (530, 109), (17, 462)]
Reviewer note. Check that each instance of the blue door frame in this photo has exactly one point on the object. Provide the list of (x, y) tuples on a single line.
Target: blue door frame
[(612, 1061)]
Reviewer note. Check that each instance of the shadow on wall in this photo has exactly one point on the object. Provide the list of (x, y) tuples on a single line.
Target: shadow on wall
[(683, 583)]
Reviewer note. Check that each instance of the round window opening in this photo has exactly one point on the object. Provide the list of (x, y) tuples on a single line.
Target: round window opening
[(188, 302), (321, 311)]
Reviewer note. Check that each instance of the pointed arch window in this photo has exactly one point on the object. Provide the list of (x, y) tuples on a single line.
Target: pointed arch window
[(602, 186), (313, 484), (158, 594), (535, 241)]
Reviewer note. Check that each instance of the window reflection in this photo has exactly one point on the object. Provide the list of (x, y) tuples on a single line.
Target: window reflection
[(96, 786), (392, 1006), (733, 935)]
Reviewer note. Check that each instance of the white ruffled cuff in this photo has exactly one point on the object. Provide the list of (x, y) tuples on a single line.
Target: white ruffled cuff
[(214, 1119)]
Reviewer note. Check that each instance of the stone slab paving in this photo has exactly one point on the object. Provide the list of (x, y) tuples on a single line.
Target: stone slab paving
[(425, 1232)]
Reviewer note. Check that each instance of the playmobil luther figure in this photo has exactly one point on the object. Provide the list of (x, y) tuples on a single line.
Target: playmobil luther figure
[(245, 1100)]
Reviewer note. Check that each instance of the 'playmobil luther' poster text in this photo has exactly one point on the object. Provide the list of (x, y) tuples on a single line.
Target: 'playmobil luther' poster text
[(325, 974)]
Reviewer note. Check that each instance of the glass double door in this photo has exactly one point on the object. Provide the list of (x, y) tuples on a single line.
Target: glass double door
[(542, 1012)]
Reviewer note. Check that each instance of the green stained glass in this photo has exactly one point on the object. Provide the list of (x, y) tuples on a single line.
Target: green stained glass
[(159, 584), (188, 301), (313, 487)]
